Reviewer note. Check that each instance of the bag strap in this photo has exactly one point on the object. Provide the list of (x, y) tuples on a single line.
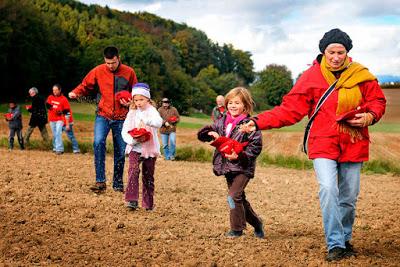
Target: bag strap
[(321, 101)]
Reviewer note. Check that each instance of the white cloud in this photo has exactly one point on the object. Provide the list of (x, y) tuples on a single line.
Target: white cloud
[(288, 32)]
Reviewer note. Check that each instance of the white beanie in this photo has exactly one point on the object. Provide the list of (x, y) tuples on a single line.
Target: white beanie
[(141, 89)]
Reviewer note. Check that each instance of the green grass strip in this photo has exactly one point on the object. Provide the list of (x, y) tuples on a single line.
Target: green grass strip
[(200, 154)]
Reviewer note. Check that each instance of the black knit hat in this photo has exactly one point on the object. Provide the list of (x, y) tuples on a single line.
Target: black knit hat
[(335, 36)]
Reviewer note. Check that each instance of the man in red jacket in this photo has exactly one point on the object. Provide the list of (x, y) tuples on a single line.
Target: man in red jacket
[(111, 78), (337, 147)]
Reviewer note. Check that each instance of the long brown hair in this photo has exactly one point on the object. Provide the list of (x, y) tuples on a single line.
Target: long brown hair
[(245, 97)]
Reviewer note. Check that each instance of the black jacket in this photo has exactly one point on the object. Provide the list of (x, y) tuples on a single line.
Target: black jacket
[(39, 112)]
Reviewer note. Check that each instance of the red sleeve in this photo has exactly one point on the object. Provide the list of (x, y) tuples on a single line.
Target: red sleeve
[(87, 84), (374, 98), (66, 106), (295, 105)]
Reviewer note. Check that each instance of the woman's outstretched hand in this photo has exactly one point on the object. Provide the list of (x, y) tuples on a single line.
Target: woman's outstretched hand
[(248, 127)]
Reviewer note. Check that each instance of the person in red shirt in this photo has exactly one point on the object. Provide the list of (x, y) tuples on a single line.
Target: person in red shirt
[(57, 105), (111, 78), (337, 147)]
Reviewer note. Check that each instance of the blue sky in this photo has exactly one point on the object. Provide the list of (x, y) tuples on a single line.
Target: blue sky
[(287, 32)]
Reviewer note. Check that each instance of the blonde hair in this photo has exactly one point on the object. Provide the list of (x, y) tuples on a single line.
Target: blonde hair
[(151, 101), (245, 97)]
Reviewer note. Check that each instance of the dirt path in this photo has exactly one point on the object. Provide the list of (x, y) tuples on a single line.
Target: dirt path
[(49, 217)]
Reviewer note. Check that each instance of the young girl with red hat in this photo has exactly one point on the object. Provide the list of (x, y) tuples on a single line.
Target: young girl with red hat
[(139, 131), (235, 158)]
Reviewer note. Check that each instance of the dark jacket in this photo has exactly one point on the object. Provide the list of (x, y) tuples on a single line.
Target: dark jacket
[(165, 114), (39, 112), (16, 121), (246, 163)]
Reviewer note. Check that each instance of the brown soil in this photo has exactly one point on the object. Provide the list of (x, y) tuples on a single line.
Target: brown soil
[(48, 216)]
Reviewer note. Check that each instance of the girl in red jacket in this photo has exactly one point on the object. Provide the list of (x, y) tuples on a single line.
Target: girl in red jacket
[(338, 142), (235, 158)]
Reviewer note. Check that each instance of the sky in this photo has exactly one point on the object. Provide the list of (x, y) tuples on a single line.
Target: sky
[(287, 32)]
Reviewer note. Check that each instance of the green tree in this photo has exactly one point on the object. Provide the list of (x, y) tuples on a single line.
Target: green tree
[(271, 85)]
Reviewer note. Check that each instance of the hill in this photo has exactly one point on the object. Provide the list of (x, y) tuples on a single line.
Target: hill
[(43, 42)]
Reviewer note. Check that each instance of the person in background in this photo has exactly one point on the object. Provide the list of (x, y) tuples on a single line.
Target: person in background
[(170, 116), (111, 78), (68, 129), (142, 115), (338, 147), (219, 110), (38, 116), (14, 119), (58, 107), (238, 166)]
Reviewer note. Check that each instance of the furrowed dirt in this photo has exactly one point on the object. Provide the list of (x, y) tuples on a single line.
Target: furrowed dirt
[(48, 216)]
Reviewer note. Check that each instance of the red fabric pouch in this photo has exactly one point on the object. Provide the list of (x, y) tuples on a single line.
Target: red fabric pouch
[(350, 114), (126, 95), (139, 132), (8, 116), (225, 145), (172, 119)]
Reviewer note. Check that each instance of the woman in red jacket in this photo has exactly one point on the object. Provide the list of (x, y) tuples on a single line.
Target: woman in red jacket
[(338, 147)]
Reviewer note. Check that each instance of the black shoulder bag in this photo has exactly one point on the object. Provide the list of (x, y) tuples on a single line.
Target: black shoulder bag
[(318, 106)]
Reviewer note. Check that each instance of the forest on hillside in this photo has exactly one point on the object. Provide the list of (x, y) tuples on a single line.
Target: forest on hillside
[(43, 42)]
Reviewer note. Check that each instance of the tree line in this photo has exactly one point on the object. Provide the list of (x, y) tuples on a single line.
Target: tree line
[(43, 42)]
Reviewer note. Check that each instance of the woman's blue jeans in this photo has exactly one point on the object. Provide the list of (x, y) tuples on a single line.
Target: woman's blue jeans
[(339, 185), (169, 145), (102, 127)]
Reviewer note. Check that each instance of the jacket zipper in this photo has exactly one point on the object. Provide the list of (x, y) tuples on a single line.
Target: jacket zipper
[(113, 114)]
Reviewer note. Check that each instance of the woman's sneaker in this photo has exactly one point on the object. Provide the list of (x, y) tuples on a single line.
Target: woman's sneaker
[(133, 205), (336, 254), (350, 251)]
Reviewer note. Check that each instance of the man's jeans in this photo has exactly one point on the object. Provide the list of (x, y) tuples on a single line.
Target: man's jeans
[(102, 127), (56, 128), (71, 137), (339, 185), (169, 144)]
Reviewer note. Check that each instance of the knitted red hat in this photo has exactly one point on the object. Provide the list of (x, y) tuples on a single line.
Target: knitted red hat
[(139, 132), (126, 95)]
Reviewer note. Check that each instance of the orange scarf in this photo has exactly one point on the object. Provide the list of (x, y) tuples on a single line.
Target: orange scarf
[(349, 96)]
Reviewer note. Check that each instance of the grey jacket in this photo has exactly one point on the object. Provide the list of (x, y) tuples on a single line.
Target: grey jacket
[(246, 163), (16, 122)]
